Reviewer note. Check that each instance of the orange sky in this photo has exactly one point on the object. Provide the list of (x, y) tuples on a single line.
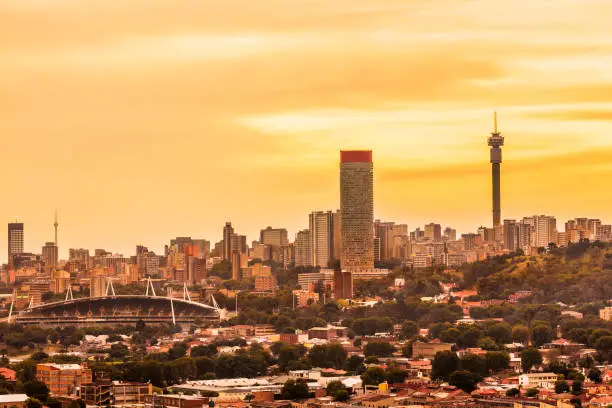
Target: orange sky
[(146, 119)]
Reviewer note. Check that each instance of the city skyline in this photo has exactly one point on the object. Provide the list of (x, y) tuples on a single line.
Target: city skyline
[(124, 116)]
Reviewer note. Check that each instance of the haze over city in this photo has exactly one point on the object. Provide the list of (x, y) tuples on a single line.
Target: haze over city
[(145, 120)]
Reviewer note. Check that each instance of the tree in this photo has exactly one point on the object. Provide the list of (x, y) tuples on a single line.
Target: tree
[(530, 357), (474, 364), (604, 346), (541, 335), (354, 364), (328, 355), (500, 332), (373, 376), (464, 380), (39, 356), (497, 361), (288, 354), (337, 391), (520, 333), (208, 350), (409, 329), (444, 364), (407, 349), (561, 387), (487, 343), (396, 376), (594, 375), (378, 349), (513, 393), (33, 403), (53, 403), (36, 389), (577, 387), (293, 390), (178, 350), (532, 392)]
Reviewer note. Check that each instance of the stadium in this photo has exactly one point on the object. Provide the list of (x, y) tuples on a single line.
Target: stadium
[(118, 309)]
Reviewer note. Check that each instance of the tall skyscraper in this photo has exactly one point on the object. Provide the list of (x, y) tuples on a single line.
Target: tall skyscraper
[(228, 231), (49, 255), (303, 248), (15, 240), (496, 141), (357, 209)]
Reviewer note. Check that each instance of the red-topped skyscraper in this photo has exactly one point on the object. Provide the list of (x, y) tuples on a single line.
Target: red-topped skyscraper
[(357, 210), (496, 141)]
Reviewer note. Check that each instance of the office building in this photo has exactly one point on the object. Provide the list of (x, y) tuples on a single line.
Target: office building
[(383, 240), (357, 209), (450, 234), (49, 255), (15, 240), (236, 275), (303, 248), (510, 237), (276, 237), (343, 284), (433, 232), (228, 232), (322, 236), (238, 243)]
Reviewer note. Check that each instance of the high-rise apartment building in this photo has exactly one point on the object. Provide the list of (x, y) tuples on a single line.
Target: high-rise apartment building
[(543, 230), (274, 236), (15, 240), (357, 209), (97, 285), (450, 234), (228, 232), (510, 237), (322, 236), (384, 233), (303, 248), (433, 232), (239, 243), (470, 241), (417, 235), (337, 240), (49, 255)]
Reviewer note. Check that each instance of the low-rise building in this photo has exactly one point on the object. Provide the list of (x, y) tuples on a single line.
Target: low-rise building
[(429, 350), (116, 393), (175, 401), (13, 400), (606, 313), (63, 379), (537, 380)]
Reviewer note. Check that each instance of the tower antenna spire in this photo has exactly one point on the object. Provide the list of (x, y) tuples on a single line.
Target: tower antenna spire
[(495, 122), (55, 225)]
